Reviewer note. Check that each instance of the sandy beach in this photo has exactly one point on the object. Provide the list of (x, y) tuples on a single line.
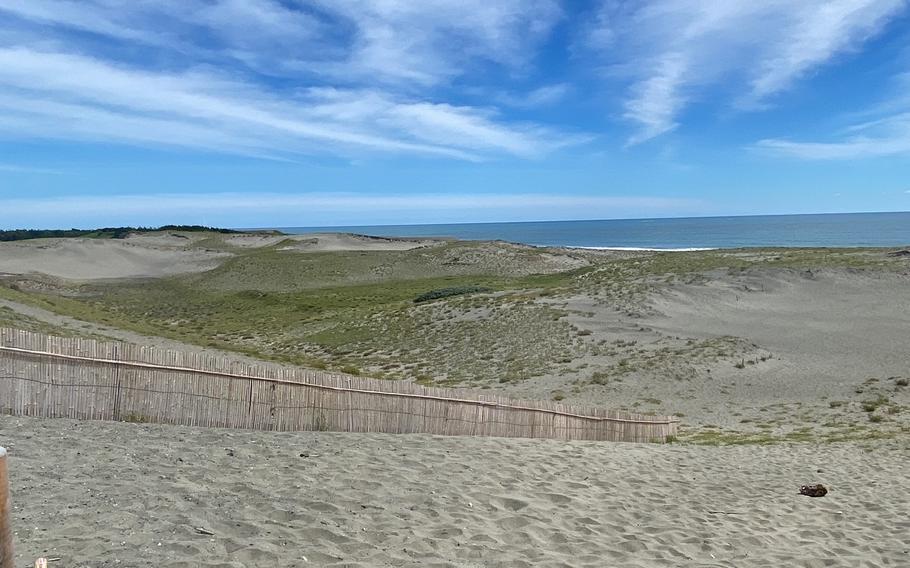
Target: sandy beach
[(104, 494)]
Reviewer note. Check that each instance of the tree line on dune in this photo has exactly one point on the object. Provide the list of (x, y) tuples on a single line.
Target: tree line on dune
[(104, 233)]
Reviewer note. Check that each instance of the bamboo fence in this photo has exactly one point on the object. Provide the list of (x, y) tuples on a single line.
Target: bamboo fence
[(54, 377)]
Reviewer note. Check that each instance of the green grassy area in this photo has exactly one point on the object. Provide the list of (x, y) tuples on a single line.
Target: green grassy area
[(356, 310), (281, 268), (494, 314), (315, 309)]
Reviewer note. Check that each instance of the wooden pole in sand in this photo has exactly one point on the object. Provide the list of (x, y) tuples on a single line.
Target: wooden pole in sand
[(6, 531)]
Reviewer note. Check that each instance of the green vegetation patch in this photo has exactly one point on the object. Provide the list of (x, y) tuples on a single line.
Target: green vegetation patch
[(455, 313), (449, 292), (373, 328)]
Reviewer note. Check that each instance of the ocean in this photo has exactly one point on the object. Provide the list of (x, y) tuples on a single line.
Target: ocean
[(825, 230)]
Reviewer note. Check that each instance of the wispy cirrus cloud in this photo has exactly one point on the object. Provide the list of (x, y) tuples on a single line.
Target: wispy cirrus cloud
[(675, 52), (21, 169), (434, 40), (353, 40), (883, 130), (436, 78), (540, 97), (58, 95), (889, 136), (257, 32), (84, 16), (355, 77)]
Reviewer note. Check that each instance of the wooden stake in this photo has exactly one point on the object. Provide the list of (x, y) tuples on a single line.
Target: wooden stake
[(6, 532)]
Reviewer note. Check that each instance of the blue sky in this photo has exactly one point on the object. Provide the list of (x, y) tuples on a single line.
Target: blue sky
[(349, 112)]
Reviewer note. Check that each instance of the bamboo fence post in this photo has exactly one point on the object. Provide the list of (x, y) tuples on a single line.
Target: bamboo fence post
[(6, 531)]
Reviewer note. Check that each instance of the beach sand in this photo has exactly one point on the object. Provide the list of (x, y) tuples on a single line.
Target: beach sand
[(133, 495)]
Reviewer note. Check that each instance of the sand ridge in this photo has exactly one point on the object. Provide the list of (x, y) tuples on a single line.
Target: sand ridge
[(82, 259), (803, 349), (327, 242), (844, 322), (168, 253), (338, 242)]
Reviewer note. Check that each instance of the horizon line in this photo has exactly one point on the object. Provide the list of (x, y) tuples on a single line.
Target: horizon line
[(735, 216)]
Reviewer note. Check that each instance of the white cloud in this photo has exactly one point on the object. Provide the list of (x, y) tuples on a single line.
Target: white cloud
[(355, 41), (356, 76), (888, 136), (814, 35), (540, 97), (19, 169), (78, 15), (657, 100), (883, 130), (313, 209), (258, 32), (852, 149), (432, 40), (58, 95), (438, 123), (680, 48)]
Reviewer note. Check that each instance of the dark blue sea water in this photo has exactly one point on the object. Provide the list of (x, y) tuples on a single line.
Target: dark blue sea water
[(830, 230)]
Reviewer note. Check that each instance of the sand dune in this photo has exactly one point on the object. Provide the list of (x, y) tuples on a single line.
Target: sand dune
[(327, 242), (95, 259), (154, 255), (337, 242), (803, 350), (106, 494), (253, 240), (821, 325)]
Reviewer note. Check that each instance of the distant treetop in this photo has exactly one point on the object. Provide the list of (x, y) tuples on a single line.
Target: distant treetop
[(105, 233)]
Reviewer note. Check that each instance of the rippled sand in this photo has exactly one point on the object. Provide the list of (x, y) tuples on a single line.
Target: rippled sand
[(104, 495)]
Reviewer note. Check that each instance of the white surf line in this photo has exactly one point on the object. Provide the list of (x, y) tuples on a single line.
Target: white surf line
[(646, 249)]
